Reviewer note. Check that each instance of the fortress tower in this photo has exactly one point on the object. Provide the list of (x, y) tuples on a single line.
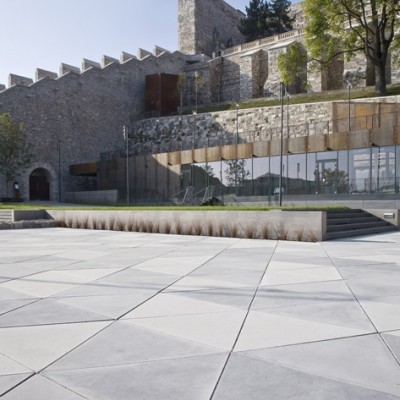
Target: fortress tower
[(207, 26)]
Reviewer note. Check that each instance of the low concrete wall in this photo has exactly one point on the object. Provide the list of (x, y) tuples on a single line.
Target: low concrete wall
[(388, 215), (275, 224), (27, 215), (384, 202), (92, 197)]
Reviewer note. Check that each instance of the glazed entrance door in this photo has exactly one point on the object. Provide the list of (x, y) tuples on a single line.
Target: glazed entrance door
[(326, 173)]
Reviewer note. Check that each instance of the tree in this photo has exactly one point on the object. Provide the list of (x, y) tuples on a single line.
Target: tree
[(350, 26), (292, 66), (280, 20), (255, 25), (236, 172), (264, 19), (14, 149)]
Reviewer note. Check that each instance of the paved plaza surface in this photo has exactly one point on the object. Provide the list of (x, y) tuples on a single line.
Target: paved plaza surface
[(105, 315)]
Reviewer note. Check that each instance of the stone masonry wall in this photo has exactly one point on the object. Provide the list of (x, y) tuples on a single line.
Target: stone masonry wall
[(219, 128), (82, 113), (207, 26)]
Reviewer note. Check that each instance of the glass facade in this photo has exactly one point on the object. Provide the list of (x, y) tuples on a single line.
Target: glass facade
[(358, 171)]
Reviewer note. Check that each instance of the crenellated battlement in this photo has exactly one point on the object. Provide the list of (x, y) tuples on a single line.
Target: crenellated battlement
[(19, 80), (41, 74), (86, 64)]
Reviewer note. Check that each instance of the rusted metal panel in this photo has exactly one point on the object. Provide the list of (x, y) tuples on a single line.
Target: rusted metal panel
[(85, 169), (161, 94)]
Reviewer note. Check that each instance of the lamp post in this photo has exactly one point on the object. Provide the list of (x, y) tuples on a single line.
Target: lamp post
[(237, 122), (281, 146), (58, 150), (194, 128), (349, 101), (348, 83), (126, 138), (59, 168)]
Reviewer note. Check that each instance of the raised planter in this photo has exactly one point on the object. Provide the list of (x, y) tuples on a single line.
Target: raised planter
[(275, 224)]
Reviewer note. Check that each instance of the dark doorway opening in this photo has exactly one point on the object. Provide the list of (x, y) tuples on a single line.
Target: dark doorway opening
[(39, 185)]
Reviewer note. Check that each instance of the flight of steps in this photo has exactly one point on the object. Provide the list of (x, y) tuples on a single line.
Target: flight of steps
[(6, 216), (348, 223)]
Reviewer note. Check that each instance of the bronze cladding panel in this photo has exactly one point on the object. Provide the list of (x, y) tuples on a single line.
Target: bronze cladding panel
[(83, 169), (228, 152), (186, 156), (200, 155), (213, 154), (244, 150)]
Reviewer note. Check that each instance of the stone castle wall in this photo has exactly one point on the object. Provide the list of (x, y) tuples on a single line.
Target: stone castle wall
[(208, 26), (83, 113)]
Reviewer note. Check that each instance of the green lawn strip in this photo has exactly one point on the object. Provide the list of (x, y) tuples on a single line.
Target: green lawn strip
[(334, 95), (12, 206)]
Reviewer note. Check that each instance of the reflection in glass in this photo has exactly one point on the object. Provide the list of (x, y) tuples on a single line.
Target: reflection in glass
[(386, 169), (375, 169), (360, 171), (311, 176), (397, 169), (296, 179), (214, 172), (236, 176), (260, 176), (186, 177), (343, 172), (275, 171)]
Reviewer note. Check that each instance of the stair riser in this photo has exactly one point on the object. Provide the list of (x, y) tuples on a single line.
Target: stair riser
[(350, 227), (351, 220), (354, 223)]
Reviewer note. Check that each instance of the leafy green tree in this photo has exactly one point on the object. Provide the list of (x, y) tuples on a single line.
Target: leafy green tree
[(280, 20), (255, 25), (292, 66), (266, 19), (14, 149), (350, 26)]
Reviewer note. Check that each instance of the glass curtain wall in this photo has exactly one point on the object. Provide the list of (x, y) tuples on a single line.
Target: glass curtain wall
[(368, 170)]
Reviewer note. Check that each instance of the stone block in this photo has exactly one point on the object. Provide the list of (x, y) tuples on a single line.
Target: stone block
[(65, 68), (143, 54), (126, 57), (159, 50), (86, 64), (42, 73), (107, 60), (19, 80)]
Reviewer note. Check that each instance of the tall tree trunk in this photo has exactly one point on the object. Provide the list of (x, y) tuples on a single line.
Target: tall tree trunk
[(380, 78)]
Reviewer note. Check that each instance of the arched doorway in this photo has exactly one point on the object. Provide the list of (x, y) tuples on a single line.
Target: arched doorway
[(39, 185)]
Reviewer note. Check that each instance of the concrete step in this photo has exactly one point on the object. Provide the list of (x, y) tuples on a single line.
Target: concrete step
[(338, 215), (352, 223), (356, 226), (338, 221), (360, 232), (6, 215)]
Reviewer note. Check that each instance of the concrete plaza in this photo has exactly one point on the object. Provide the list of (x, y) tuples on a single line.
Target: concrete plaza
[(105, 315)]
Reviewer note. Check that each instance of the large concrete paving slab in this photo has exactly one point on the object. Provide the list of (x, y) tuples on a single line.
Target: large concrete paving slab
[(101, 315)]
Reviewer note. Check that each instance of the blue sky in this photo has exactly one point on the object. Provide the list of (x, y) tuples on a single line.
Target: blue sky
[(45, 33)]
